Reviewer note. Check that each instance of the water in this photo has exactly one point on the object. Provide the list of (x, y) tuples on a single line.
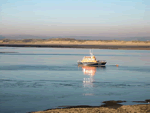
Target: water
[(33, 79)]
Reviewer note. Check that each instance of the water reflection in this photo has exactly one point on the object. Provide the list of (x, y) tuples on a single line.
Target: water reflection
[(90, 71), (88, 79)]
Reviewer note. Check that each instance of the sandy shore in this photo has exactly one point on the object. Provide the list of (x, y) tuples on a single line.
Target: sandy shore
[(111, 106), (67, 41), (79, 46), (72, 43), (110, 109)]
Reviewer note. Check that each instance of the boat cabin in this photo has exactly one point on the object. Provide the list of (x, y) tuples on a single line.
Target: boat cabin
[(89, 59)]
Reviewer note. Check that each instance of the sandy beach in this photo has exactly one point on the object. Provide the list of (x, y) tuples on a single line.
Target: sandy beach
[(111, 106), (72, 43), (109, 109)]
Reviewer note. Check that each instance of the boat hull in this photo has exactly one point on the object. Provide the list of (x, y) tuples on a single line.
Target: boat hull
[(92, 64)]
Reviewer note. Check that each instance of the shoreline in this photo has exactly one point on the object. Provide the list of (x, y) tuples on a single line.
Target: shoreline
[(86, 46), (118, 108), (74, 43), (111, 106)]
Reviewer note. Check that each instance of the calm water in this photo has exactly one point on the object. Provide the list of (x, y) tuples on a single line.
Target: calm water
[(34, 79)]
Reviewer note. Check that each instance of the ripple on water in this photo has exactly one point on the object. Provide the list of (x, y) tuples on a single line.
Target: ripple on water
[(20, 84), (39, 67), (8, 83)]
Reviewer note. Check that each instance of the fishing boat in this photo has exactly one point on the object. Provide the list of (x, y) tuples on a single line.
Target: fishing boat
[(91, 61)]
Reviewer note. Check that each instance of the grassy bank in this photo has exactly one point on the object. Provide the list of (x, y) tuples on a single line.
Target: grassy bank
[(74, 41)]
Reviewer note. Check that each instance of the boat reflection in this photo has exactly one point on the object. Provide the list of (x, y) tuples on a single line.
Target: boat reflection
[(88, 80), (90, 71)]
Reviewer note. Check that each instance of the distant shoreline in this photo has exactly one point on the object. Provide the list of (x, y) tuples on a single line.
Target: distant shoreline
[(73, 43), (123, 47)]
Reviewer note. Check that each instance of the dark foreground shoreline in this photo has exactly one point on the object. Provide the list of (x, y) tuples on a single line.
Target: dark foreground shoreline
[(111, 106), (124, 47), (122, 109)]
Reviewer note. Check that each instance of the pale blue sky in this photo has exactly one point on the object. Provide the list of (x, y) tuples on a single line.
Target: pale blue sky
[(114, 18)]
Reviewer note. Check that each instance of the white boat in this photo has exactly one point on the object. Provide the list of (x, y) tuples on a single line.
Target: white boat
[(91, 61)]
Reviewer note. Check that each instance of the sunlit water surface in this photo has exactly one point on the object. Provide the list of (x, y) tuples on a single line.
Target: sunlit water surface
[(33, 79)]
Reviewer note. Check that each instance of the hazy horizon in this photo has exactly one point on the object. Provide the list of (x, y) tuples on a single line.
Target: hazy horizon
[(18, 37), (109, 18)]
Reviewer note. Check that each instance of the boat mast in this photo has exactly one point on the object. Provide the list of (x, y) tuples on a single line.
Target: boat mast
[(91, 52)]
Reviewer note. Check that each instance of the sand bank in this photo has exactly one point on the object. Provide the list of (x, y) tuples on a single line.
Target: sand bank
[(72, 43), (123, 47)]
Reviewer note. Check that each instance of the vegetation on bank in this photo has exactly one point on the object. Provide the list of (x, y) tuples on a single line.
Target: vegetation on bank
[(63, 39)]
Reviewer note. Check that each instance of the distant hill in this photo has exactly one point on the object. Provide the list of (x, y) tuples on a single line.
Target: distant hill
[(108, 38), (75, 37), (25, 37), (137, 38), (144, 39)]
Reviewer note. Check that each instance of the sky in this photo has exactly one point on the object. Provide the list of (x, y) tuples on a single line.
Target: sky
[(105, 18)]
